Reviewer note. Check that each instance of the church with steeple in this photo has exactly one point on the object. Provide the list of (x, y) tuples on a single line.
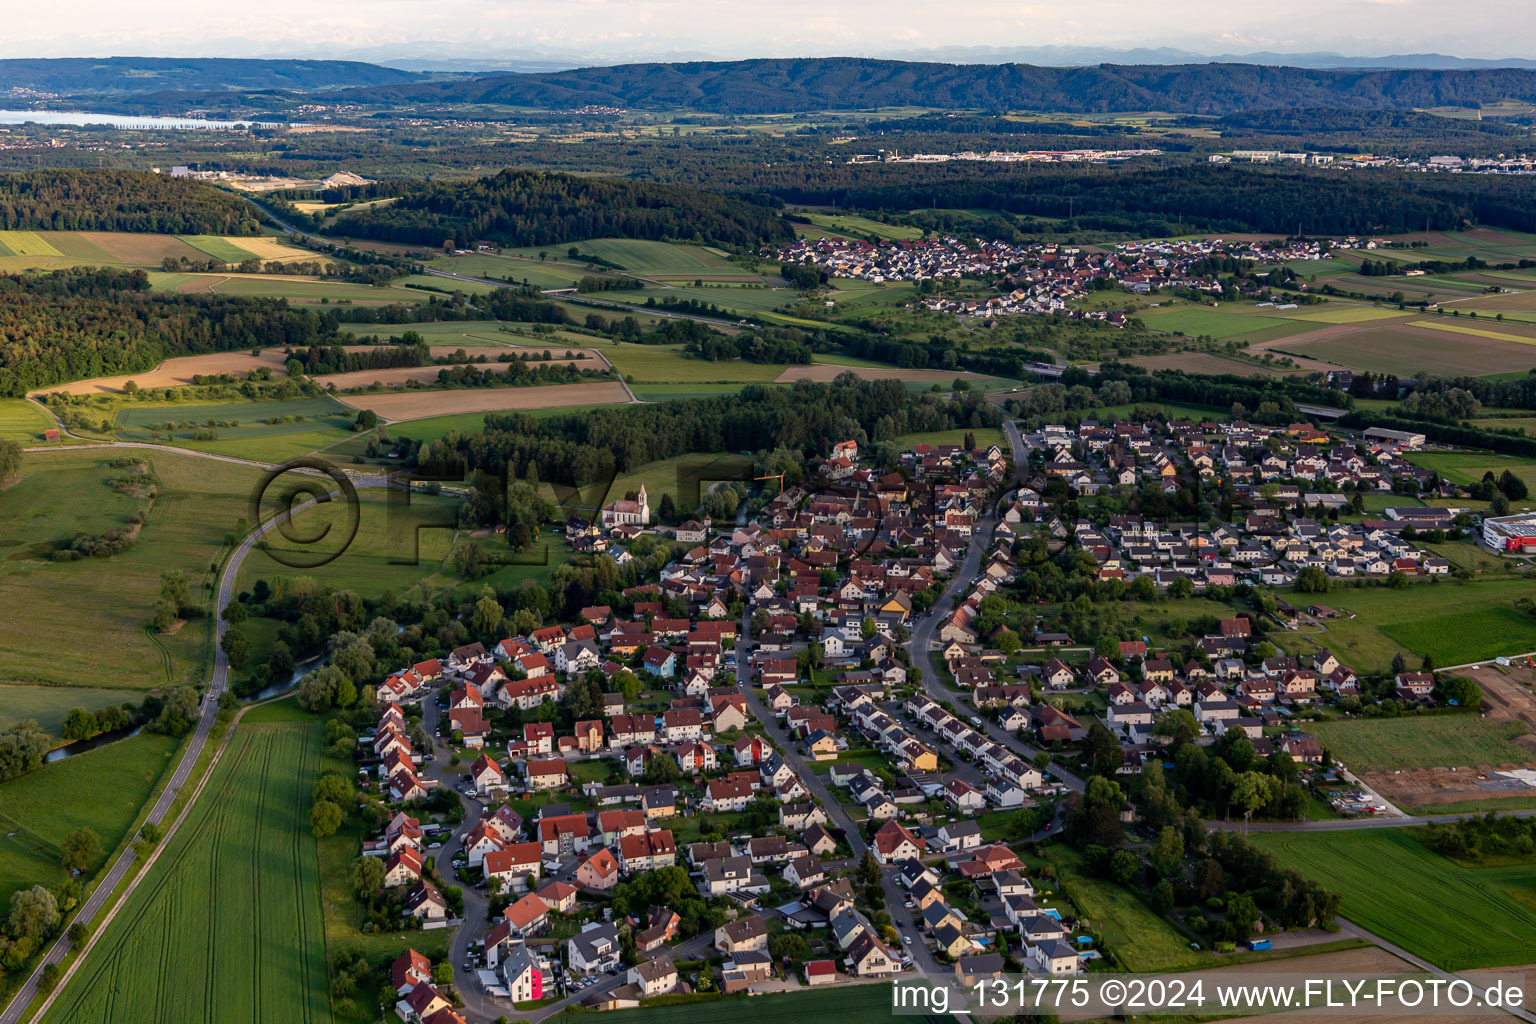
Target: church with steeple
[(628, 513)]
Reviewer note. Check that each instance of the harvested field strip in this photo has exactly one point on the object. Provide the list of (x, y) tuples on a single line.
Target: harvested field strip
[(227, 924), (422, 404), (177, 371), (1476, 332)]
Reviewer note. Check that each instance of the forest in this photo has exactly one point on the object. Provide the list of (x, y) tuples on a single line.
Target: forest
[(588, 447), (109, 200), (520, 208), (82, 323), (842, 83)]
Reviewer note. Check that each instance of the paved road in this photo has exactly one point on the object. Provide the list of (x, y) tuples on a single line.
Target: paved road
[(126, 860), (920, 647), (906, 924)]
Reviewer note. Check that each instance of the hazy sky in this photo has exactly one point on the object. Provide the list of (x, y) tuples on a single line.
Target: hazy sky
[(385, 29)]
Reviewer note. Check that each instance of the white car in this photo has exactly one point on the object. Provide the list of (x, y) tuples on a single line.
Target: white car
[(907, 939)]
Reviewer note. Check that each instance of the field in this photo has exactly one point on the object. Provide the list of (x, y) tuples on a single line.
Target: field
[(655, 260), (50, 705), (227, 924), (103, 789), (1375, 745), (1452, 327), (422, 404), (1462, 637), (1469, 467), (21, 420), (56, 250), (421, 531), (1456, 917), (1367, 642), (1404, 348), (666, 364), (847, 225), (286, 286), (175, 372), (325, 421), (535, 272), (83, 622)]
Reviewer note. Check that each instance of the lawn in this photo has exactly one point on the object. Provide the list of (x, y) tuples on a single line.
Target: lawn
[(513, 270), (851, 225), (1456, 917), (287, 286), (684, 473), (984, 436), (1376, 745), (726, 295), (103, 789), (227, 924), (1141, 939), (21, 420), (1220, 324), (83, 622)]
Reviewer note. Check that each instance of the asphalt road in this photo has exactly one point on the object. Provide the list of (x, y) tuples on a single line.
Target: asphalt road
[(126, 860), (906, 924)]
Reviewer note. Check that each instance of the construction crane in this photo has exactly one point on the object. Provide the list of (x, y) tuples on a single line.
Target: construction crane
[(773, 476)]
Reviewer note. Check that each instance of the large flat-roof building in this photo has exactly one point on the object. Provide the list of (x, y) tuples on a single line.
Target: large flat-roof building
[(1511, 533), (1394, 438)]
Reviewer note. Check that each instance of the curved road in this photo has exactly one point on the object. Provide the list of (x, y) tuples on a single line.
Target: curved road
[(126, 860)]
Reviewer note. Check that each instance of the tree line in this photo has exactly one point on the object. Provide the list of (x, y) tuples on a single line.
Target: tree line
[(114, 200), (83, 323), (520, 208)]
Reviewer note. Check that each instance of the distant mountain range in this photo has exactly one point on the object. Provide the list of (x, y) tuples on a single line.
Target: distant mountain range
[(1080, 56), (445, 57), (842, 83), (98, 75), (780, 85)]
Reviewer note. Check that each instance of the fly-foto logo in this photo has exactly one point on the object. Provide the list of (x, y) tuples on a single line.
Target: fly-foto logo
[(313, 509)]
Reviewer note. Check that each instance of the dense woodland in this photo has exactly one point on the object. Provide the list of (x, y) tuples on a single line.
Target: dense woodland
[(64, 200), (841, 83), (77, 324), (516, 208), (588, 447)]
